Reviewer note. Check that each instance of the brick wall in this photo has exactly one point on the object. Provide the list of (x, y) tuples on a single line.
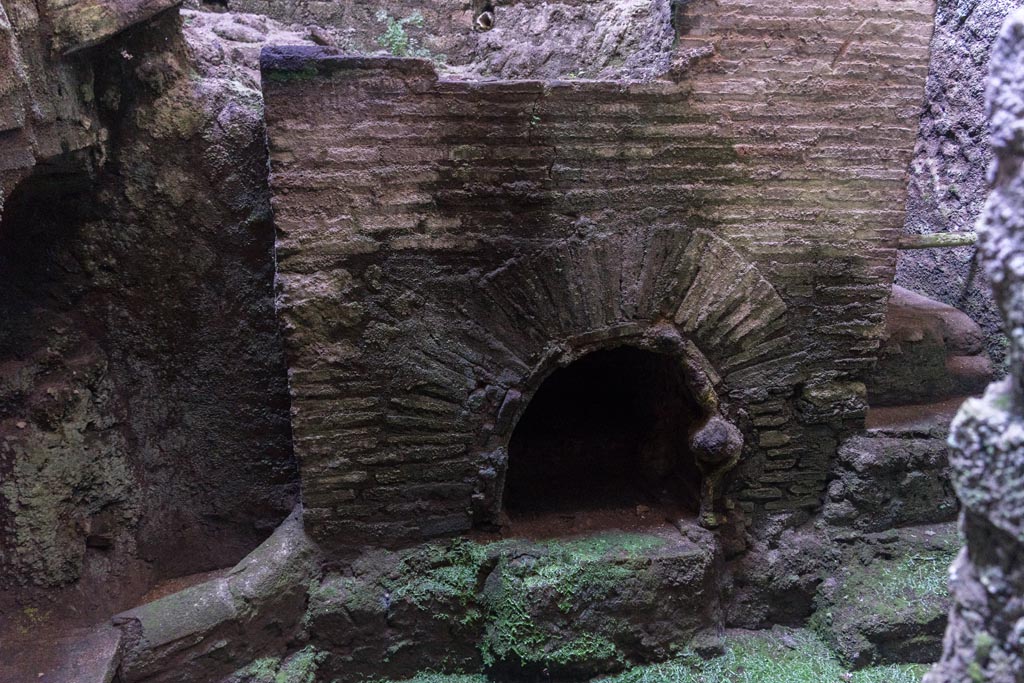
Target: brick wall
[(441, 243)]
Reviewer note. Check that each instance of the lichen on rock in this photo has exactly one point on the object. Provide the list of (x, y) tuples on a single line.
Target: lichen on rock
[(985, 640)]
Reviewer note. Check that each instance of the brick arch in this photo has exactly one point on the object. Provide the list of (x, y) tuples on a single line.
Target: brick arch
[(694, 279), (497, 328), (492, 339), (660, 338)]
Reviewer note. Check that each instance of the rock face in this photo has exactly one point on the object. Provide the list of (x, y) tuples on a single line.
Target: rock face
[(631, 39), (776, 580), (47, 107), (86, 655), (144, 426), (888, 600), (885, 480), (573, 608), (984, 640), (947, 183), (931, 351), (47, 102), (443, 245)]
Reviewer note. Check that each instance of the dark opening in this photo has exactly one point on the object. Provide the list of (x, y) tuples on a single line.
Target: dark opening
[(608, 431), (484, 20)]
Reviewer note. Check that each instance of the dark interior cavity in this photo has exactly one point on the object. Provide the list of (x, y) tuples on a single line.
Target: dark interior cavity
[(607, 431)]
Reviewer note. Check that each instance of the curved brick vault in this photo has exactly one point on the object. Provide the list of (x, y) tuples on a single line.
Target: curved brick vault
[(457, 373), (498, 337)]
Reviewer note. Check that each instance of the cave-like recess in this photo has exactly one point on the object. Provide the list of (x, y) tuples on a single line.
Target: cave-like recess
[(607, 431)]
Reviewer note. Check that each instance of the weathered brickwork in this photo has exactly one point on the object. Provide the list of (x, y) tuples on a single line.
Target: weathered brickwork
[(442, 245)]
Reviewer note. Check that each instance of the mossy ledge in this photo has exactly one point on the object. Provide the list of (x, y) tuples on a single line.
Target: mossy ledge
[(573, 608), (776, 656)]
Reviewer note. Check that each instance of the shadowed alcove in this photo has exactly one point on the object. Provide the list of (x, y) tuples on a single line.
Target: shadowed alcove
[(608, 431)]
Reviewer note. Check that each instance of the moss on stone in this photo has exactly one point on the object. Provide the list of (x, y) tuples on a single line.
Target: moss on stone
[(888, 609), (758, 657), (768, 657), (434, 677), (517, 600), (909, 586), (300, 667), (983, 644), (441, 574), (573, 573)]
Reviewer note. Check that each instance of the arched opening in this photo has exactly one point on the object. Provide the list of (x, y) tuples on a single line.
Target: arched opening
[(608, 432)]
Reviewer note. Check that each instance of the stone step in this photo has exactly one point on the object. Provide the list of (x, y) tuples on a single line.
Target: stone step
[(888, 603), (84, 655), (893, 475)]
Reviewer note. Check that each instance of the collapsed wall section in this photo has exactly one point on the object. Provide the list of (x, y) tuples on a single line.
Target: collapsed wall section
[(442, 245)]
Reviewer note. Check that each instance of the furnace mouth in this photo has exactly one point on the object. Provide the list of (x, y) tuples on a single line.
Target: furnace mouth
[(607, 432)]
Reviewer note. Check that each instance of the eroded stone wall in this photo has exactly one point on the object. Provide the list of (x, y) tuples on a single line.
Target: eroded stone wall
[(947, 182), (985, 639), (144, 427), (529, 38), (439, 241), (47, 104)]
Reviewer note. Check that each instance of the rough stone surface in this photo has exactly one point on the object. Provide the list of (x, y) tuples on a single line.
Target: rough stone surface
[(573, 607), (985, 640), (88, 655), (47, 105), (442, 243), (888, 601), (206, 631), (630, 39), (530, 39), (891, 479), (78, 24), (144, 427), (776, 581), (931, 351), (947, 181)]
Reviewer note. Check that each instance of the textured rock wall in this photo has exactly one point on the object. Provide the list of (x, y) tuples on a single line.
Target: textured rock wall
[(530, 38), (985, 639), (47, 105), (891, 478), (947, 184), (439, 239), (144, 424)]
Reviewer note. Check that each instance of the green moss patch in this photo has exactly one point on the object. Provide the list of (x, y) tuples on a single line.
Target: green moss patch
[(797, 657), (888, 609), (752, 657), (535, 594), (518, 605), (300, 667), (442, 579)]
